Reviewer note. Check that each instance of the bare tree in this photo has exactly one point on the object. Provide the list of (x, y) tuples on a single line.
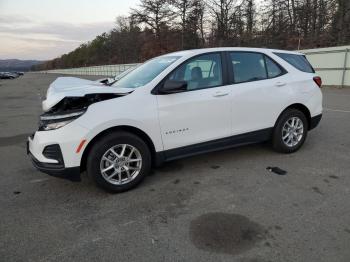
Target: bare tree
[(155, 14), (182, 9), (249, 14), (158, 26), (341, 23), (224, 13)]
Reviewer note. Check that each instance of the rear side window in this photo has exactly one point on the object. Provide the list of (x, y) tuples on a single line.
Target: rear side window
[(298, 61), (248, 66), (273, 70)]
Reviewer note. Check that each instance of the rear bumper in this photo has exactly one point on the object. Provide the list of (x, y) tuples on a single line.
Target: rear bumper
[(315, 121)]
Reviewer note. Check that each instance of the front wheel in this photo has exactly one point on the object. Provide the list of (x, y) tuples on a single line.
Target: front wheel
[(290, 131), (119, 161)]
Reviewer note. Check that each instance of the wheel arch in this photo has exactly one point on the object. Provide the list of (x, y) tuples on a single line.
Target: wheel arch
[(131, 129), (301, 108)]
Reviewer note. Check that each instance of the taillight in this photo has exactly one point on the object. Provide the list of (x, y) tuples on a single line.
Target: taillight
[(318, 81)]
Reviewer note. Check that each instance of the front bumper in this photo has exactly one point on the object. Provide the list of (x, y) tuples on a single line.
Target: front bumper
[(55, 169), (55, 152)]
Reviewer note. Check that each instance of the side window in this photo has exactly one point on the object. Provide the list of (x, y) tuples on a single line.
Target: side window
[(273, 69), (298, 61), (248, 66), (200, 72)]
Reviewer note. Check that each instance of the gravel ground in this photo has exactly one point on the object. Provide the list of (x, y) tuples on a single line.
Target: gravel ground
[(222, 206)]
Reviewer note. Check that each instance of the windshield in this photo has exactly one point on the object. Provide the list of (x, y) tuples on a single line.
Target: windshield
[(146, 72)]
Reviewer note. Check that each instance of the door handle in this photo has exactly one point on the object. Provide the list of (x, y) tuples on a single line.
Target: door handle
[(280, 84), (220, 93)]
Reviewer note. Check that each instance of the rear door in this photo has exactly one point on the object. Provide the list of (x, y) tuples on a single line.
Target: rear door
[(259, 91), (203, 112)]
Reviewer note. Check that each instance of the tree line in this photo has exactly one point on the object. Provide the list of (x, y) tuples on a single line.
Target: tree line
[(155, 27)]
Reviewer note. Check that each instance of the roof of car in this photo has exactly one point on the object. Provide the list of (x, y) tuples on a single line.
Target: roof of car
[(217, 49)]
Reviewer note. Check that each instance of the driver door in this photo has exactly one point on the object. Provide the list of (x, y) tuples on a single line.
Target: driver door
[(201, 113)]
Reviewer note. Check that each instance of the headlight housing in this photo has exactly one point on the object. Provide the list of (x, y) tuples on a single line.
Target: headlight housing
[(70, 108), (55, 121)]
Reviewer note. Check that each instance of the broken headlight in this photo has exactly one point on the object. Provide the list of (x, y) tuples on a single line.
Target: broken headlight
[(55, 121), (70, 108)]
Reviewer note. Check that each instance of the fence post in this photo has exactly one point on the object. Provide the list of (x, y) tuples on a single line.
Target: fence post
[(344, 68)]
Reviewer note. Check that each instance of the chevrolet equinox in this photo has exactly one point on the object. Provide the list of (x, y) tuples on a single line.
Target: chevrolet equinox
[(172, 106)]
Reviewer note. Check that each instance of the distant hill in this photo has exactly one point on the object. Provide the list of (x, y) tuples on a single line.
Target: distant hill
[(17, 65)]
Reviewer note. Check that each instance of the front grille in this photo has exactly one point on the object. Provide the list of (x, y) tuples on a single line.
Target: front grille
[(54, 152)]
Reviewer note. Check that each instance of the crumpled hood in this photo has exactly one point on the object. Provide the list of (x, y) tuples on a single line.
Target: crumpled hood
[(76, 87)]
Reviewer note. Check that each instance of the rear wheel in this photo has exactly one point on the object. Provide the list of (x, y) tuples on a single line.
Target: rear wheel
[(119, 161), (290, 131)]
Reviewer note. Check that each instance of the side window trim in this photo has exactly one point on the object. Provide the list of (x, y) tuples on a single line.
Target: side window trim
[(265, 64), (230, 72), (225, 70), (225, 80), (229, 68)]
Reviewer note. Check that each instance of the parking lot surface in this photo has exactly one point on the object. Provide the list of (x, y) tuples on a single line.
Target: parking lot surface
[(222, 206)]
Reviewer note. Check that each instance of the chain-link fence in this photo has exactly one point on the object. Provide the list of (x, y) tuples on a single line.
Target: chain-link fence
[(331, 63), (105, 70)]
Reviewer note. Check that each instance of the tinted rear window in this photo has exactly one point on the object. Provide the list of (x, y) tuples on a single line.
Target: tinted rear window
[(298, 61)]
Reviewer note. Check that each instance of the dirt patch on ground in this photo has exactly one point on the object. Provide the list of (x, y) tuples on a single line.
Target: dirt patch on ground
[(225, 233)]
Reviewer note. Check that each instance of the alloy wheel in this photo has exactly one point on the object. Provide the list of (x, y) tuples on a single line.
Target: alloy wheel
[(121, 164), (292, 131)]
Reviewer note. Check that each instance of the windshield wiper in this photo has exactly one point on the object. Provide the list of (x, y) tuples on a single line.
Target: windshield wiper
[(121, 75), (115, 80)]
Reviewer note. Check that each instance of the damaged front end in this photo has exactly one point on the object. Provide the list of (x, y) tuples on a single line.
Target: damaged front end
[(69, 97), (69, 109)]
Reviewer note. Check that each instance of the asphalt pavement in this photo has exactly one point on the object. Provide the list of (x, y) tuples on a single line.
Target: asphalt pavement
[(222, 206)]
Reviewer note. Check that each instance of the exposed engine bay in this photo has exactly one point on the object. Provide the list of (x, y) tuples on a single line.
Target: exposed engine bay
[(70, 108), (69, 97), (79, 103)]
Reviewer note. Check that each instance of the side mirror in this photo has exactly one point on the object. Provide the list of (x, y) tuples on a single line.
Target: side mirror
[(172, 87)]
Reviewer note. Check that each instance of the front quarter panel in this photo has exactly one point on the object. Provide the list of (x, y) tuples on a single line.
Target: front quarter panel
[(138, 109)]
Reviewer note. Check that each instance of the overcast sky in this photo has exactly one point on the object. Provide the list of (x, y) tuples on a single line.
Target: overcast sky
[(45, 29)]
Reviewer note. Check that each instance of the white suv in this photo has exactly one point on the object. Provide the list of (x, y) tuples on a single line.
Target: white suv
[(174, 106)]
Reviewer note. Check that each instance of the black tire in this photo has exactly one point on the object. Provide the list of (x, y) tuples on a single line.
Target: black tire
[(277, 141), (107, 142)]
